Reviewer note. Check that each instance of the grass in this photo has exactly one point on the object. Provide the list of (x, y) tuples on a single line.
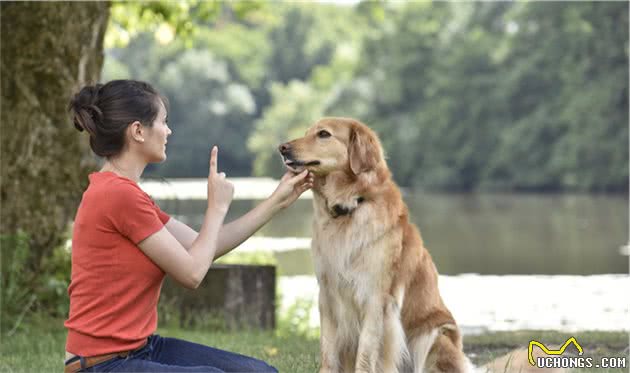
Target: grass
[(41, 348)]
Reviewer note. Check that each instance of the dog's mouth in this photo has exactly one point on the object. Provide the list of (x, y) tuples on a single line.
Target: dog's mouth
[(298, 166)]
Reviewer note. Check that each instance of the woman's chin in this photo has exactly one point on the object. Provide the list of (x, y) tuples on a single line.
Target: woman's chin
[(159, 159)]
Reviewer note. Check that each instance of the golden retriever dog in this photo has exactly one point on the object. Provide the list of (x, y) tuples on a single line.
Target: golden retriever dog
[(379, 303)]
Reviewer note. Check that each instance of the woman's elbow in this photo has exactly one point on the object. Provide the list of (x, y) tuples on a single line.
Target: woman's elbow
[(195, 280), (192, 284), (188, 280)]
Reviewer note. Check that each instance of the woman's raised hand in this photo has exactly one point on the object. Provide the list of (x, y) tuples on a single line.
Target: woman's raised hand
[(220, 191)]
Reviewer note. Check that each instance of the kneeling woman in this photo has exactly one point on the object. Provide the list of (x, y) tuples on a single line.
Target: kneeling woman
[(123, 244)]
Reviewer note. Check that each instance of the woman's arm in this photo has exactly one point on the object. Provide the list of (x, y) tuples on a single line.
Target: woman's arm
[(231, 234), (236, 232), (189, 265)]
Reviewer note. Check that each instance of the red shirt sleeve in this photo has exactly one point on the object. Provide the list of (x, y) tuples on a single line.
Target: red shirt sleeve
[(133, 213), (164, 217)]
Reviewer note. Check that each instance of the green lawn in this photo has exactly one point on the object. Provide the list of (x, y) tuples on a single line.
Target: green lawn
[(41, 349)]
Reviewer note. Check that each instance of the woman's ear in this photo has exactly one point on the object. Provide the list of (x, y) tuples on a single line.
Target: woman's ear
[(137, 131), (363, 150)]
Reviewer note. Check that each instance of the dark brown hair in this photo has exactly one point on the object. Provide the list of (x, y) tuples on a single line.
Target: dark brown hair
[(105, 111)]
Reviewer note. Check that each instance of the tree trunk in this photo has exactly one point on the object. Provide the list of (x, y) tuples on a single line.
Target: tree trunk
[(48, 51), (233, 296)]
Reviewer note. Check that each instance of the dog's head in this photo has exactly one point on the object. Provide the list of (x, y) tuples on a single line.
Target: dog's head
[(334, 144)]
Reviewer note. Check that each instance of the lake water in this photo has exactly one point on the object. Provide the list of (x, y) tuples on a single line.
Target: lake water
[(470, 233), (506, 261)]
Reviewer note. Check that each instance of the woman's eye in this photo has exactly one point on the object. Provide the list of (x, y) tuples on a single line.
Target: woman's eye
[(323, 134)]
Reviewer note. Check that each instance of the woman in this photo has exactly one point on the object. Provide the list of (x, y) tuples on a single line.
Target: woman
[(123, 244)]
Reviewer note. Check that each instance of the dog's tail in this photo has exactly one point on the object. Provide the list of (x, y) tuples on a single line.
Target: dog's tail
[(439, 350)]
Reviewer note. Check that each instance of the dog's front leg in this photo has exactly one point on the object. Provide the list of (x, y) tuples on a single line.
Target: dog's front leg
[(328, 336), (370, 339)]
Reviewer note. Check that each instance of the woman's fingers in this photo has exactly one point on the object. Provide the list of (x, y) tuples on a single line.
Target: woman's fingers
[(287, 175), (297, 178), (304, 187), (213, 160)]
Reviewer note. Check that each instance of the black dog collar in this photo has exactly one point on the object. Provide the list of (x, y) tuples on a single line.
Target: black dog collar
[(341, 210)]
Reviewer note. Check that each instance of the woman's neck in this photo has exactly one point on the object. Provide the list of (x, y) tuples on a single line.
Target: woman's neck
[(125, 167)]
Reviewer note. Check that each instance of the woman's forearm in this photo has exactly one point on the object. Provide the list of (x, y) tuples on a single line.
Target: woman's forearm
[(236, 232), (204, 247), (230, 235)]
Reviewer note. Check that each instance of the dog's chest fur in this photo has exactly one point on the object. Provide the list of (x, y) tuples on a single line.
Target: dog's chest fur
[(349, 259)]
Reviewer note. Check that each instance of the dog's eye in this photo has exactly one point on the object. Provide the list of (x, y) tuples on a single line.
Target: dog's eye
[(323, 134)]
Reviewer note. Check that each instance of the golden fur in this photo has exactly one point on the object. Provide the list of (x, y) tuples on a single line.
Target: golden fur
[(379, 303)]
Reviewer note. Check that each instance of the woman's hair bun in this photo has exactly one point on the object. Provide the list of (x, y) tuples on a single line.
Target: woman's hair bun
[(86, 112)]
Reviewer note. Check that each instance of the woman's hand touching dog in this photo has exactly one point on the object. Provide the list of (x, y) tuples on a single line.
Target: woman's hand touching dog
[(291, 187)]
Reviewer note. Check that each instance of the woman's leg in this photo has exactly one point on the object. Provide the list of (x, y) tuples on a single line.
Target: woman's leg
[(175, 355), (142, 364), (172, 351)]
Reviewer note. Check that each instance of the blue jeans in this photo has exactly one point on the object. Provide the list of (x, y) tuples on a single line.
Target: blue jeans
[(175, 355)]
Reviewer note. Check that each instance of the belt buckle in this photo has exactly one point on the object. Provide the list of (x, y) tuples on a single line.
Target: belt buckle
[(83, 363)]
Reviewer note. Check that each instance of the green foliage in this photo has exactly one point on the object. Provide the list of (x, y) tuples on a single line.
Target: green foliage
[(244, 50), (54, 279), (296, 320), (465, 96), (499, 95), (16, 293), (218, 111), (295, 106), (23, 293), (168, 19)]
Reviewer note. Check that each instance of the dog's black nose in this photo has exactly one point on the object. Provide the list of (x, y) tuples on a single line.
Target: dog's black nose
[(285, 148)]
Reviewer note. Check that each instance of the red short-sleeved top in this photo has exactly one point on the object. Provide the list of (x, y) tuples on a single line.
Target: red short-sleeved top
[(115, 287)]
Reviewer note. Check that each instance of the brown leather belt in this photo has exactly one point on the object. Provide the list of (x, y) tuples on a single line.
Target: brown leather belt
[(91, 361)]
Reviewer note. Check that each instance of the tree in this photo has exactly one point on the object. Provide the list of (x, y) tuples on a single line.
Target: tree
[(208, 107), (295, 106), (566, 86), (513, 96), (45, 59)]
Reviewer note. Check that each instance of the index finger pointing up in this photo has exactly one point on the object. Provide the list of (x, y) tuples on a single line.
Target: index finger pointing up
[(213, 160)]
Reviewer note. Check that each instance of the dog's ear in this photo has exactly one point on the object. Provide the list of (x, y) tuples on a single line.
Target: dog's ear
[(363, 150)]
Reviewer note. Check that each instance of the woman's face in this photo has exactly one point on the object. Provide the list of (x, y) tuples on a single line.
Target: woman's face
[(155, 139)]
